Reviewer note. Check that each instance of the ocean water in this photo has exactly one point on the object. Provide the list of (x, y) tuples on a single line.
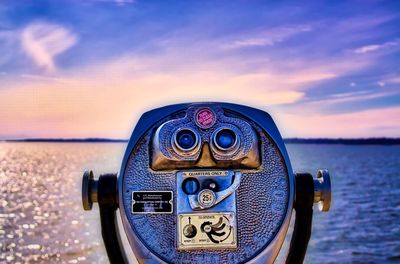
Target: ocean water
[(41, 218)]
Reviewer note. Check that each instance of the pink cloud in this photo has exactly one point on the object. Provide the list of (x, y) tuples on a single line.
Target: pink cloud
[(105, 99), (368, 123)]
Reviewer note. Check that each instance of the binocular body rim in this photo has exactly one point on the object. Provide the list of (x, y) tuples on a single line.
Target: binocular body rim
[(261, 118)]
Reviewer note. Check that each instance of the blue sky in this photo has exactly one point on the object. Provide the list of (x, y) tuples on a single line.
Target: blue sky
[(90, 68)]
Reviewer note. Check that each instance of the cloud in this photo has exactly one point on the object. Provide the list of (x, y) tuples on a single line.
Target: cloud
[(81, 108), (117, 2), (360, 23), (42, 42), (376, 47), (124, 2), (357, 124), (353, 97), (46, 107), (381, 84), (389, 79), (267, 38), (348, 94), (395, 80), (339, 102), (75, 102), (65, 105)]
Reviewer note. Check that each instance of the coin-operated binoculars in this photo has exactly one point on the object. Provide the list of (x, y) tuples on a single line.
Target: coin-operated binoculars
[(206, 183)]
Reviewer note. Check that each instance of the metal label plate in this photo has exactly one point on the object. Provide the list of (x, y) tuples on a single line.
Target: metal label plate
[(152, 202), (207, 231), (199, 173)]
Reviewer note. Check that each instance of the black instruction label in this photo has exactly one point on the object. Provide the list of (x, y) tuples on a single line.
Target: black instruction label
[(152, 202)]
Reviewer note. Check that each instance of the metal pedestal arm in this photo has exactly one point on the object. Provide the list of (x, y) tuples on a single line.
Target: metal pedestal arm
[(308, 192), (104, 191)]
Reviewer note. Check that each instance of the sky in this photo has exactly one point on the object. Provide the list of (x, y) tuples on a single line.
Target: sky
[(76, 69)]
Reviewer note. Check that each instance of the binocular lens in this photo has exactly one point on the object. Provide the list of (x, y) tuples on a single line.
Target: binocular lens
[(186, 139), (225, 139)]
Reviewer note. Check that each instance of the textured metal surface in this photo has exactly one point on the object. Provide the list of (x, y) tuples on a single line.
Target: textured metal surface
[(263, 194)]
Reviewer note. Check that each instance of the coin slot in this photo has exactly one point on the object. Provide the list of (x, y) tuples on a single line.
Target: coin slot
[(190, 185)]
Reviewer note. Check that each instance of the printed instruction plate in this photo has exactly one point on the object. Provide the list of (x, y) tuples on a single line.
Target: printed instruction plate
[(207, 231)]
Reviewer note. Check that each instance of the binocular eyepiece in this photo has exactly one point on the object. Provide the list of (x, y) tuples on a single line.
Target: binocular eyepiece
[(206, 183)]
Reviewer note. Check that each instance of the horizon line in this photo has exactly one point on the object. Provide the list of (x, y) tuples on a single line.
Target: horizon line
[(290, 140)]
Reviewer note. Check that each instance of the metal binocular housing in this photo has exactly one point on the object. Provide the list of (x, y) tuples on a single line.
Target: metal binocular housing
[(206, 183)]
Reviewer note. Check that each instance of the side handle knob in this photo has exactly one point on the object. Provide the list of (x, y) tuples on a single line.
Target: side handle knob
[(89, 190), (322, 190)]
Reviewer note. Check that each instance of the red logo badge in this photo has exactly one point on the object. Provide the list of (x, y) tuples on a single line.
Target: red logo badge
[(205, 118)]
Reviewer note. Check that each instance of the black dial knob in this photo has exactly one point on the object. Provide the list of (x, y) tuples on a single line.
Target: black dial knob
[(189, 231)]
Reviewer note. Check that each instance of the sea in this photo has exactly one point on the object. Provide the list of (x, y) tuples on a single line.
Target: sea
[(42, 220)]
